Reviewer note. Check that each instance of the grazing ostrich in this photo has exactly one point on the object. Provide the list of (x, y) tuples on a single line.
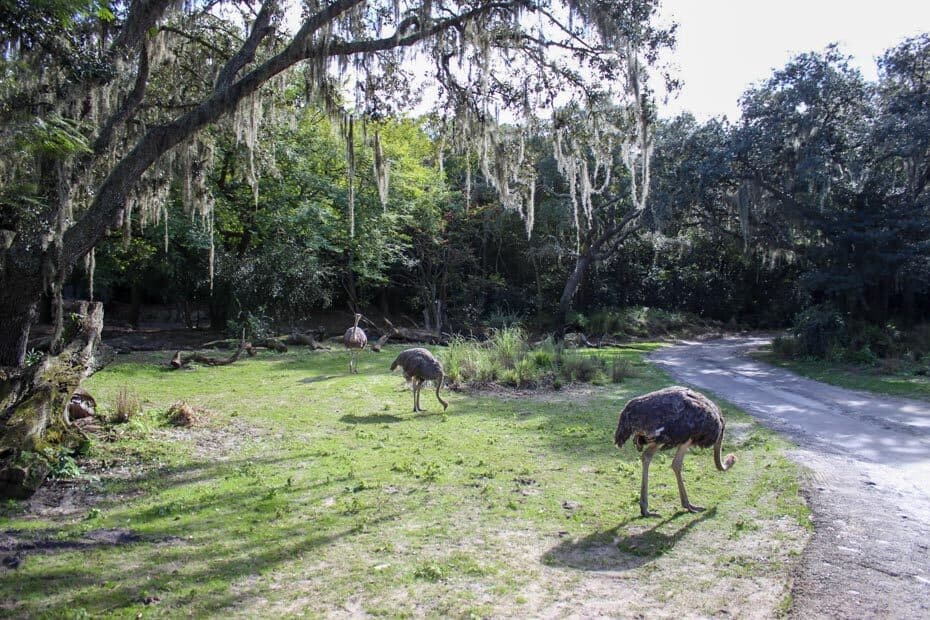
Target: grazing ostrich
[(419, 365), (675, 417), (355, 340)]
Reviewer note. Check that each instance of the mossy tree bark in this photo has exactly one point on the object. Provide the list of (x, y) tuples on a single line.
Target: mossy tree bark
[(34, 402)]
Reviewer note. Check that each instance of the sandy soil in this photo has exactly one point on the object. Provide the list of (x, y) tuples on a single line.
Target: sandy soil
[(869, 484)]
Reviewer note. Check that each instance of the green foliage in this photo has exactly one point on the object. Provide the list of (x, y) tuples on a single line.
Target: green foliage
[(819, 329), (33, 356), (584, 368), (59, 461), (249, 326)]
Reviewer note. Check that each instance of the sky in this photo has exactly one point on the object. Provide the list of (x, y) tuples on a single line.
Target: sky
[(724, 46)]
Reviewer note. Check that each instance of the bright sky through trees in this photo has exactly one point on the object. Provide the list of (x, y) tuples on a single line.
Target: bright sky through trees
[(726, 45)]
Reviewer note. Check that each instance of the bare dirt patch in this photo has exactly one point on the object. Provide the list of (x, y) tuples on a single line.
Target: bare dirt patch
[(574, 392)]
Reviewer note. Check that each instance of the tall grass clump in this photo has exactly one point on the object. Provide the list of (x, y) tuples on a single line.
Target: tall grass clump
[(506, 357), (509, 346), (128, 406), (620, 369), (580, 367), (462, 358)]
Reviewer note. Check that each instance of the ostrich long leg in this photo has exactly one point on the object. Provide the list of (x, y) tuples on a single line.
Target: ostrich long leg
[(648, 453), (416, 394), (677, 462)]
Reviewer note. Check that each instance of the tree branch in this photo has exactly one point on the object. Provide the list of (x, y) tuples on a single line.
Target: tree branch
[(261, 28), (129, 106)]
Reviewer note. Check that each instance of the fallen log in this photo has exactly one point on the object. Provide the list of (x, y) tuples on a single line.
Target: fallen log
[(306, 340), (406, 334), (179, 361), (270, 343)]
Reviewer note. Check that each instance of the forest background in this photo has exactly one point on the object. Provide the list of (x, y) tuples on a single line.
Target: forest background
[(810, 211)]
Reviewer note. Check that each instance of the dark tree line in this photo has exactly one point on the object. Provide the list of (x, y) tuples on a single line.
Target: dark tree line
[(816, 197)]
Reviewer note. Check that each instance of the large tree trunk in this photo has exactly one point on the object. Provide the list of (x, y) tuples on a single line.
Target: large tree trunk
[(34, 404), (18, 305), (571, 287)]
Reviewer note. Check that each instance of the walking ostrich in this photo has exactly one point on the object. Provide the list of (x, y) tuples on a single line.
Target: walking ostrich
[(419, 366), (355, 340), (675, 417)]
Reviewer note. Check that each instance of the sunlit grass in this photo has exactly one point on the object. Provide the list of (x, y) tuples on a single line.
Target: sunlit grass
[(310, 491), (902, 380)]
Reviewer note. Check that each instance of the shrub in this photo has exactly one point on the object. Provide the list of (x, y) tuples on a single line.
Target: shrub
[(785, 347), (607, 322), (620, 369), (819, 328), (584, 368), (502, 318), (461, 360)]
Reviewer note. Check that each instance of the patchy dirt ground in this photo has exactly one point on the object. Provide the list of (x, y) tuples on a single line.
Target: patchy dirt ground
[(869, 487)]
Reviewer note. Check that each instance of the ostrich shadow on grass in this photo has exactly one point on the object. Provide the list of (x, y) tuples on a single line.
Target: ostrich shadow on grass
[(375, 418), (387, 418), (317, 378), (613, 550)]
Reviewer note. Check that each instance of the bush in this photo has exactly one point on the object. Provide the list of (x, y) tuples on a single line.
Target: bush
[(584, 368), (785, 347), (620, 369), (818, 329)]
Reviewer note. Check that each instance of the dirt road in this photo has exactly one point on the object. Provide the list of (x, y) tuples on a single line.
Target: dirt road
[(869, 487)]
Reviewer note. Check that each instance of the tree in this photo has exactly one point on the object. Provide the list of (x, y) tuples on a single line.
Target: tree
[(115, 112), (838, 166), (606, 157), (105, 105)]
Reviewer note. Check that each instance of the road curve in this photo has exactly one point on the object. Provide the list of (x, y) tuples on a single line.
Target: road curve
[(869, 489)]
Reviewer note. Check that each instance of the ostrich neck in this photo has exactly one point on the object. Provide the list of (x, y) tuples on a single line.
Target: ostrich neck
[(717, 462)]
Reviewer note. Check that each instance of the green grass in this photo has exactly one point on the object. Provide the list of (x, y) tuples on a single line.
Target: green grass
[(307, 491), (894, 379)]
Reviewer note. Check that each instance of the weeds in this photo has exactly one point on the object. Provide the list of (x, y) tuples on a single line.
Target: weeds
[(127, 406), (508, 358)]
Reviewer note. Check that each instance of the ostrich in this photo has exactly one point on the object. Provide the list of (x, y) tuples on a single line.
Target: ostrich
[(675, 417), (355, 340), (419, 365)]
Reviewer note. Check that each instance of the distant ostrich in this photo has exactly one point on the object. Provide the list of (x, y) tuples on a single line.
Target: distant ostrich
[(670, 418), (419, 366), (355, 340)]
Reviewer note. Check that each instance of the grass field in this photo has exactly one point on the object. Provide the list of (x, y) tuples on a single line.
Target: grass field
[(303, 490), (901, 380)]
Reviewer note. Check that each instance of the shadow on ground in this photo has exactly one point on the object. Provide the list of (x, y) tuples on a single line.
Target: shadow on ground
[(613, 550)]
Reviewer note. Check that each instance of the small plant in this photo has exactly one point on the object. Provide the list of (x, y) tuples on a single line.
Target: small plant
[(127, 406), (62, 464), (583, 368), (785, 347), (429, 572), (509, 346), (33, 357)]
